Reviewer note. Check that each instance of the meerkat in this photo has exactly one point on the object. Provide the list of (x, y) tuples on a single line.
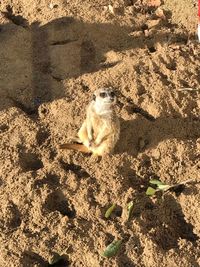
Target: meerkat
[(100, 131)]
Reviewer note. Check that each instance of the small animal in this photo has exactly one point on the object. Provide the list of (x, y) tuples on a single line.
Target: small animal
[(100, 131)]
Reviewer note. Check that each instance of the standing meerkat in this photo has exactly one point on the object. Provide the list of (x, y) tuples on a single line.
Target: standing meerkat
[(100, 131)]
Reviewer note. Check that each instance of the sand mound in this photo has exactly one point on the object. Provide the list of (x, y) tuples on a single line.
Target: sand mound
[(53, 55)]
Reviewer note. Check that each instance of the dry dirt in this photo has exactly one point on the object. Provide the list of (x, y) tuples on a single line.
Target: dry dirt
[(53, 55)]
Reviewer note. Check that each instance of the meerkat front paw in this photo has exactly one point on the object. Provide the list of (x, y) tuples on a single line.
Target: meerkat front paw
[(88, 143), (92, 144)]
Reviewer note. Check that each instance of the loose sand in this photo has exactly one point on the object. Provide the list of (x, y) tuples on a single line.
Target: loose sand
[(53, 55)]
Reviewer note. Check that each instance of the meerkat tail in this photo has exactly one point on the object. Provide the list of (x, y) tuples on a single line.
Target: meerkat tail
[(77, 147)]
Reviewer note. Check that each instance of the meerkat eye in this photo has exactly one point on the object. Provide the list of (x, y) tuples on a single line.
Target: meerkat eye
[(112, 94), (103, 95)]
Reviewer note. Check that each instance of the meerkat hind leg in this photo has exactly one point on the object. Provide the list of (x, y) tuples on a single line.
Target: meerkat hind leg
[(83, 134), (102, 150)]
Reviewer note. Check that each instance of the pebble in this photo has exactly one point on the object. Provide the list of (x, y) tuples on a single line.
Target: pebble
[(152, 23), (51, 5)]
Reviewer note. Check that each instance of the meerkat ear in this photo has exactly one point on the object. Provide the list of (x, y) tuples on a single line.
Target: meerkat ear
[(94, 97)]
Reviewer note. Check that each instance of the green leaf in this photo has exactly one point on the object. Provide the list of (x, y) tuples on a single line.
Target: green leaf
[(109, 211), (112, 249), (130, 209), (157, 182), (150, 191), (163, 187)]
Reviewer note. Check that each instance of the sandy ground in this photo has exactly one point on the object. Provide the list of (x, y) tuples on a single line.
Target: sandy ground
[(53, 55)]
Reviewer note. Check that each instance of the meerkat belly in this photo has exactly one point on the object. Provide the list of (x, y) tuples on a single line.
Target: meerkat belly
[(97, 126), (108, 129), (113, 132)]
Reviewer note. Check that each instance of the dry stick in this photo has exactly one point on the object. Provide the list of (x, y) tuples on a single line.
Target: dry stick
[(181, 183), (188, 89), (184, 182)]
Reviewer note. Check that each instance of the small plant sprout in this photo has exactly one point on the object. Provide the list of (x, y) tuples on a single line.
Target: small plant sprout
[(112, 249), (160, 186), (130, 209), (150, 191), (110, 210)]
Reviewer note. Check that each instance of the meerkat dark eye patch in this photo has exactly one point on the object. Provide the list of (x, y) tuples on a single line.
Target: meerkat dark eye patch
[(94, 97), (112, 94), (103, 95)]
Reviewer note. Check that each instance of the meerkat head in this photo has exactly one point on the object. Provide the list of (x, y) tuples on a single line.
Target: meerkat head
[(105, 96), (104, 99)]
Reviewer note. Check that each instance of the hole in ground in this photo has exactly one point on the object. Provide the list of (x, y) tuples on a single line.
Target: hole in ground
[(144, 27), (152, 49), (11, 217), (42, 136), (3, 128), (56, 201), (30, 258), (30, 161), (109, 239), (78, 170), (60, 261), (18, 20), (118, 211), (30, 111), (51, 179), (172, 66), (16, 221)]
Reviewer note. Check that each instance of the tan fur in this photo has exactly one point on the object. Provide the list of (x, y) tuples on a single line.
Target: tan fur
[(100, 131)]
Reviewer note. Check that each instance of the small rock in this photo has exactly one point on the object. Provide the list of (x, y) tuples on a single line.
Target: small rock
[(51, 5), (111, 9), (156, 154), (135, 33), (130, 10), (116, 9), (146, 33), (175, 47), (152, 23), (105, 8)]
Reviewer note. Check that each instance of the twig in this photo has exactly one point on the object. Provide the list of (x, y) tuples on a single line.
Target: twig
[(188, 89), (184, 182), (176, 185)]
